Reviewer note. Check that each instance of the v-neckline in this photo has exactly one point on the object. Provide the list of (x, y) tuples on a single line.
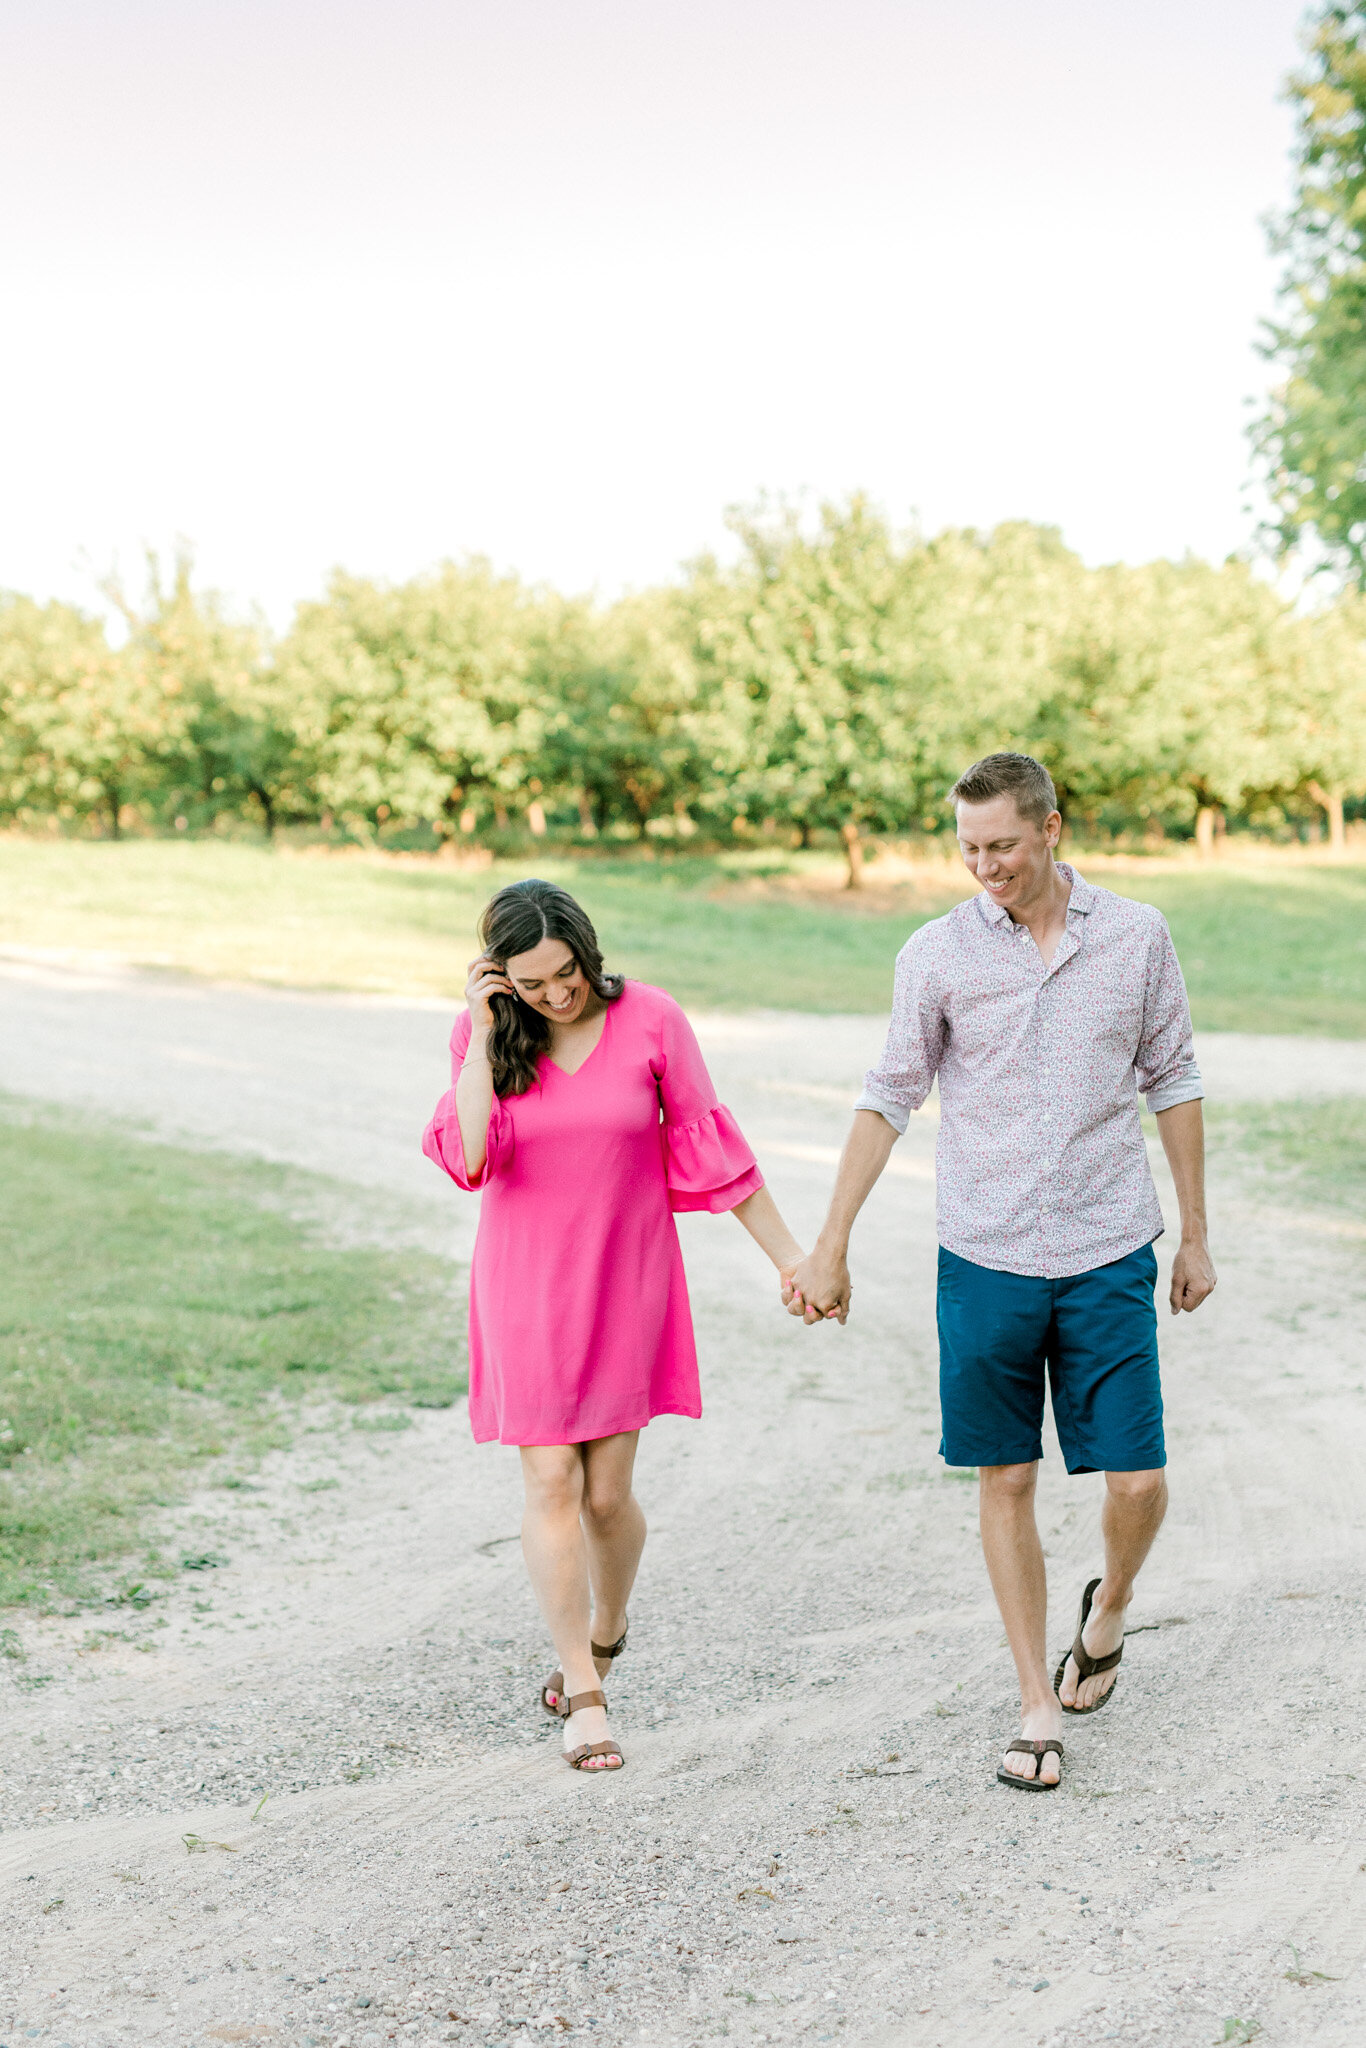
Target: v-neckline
[(572, 1073)]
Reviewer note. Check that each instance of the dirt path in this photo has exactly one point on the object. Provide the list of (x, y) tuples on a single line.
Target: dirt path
[(808, 1842)]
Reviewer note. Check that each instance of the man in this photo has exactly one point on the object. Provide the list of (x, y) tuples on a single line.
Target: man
[(1043, 1005)]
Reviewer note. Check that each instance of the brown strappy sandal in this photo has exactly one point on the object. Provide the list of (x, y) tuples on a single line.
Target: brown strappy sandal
[(577, 1758), (1039, 1749), (555, 1683), (1087, 1665)]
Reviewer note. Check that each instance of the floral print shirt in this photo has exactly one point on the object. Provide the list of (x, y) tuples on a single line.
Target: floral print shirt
[(1042, 1165)]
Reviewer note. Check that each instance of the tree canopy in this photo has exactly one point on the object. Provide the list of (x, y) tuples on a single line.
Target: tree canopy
[(1314, 436), (833, 676)]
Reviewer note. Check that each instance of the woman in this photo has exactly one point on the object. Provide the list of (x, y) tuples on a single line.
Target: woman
[(582, 1108)]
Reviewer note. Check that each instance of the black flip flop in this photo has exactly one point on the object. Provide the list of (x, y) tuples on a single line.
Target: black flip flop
[(1040, 1750), (1087, 1665)]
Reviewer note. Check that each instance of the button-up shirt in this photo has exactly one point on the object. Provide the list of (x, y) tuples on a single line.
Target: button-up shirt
[(1042, 1166)]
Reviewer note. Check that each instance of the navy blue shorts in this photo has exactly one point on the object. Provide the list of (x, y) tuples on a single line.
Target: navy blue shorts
[(1094, 1334)]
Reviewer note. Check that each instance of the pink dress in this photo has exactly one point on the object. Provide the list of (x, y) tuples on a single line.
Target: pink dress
[(579, 1319)]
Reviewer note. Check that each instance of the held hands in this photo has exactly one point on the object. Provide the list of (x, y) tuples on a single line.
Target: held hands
[(1193, 1276), (485, 980), (818, 1289)]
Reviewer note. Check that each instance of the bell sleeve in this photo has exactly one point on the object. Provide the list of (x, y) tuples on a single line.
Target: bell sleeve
[(442, 1142), (707, 1161)]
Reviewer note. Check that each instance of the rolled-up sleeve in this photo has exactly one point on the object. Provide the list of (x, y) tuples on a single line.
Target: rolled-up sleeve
[(914, 1046), (1164, 1066)]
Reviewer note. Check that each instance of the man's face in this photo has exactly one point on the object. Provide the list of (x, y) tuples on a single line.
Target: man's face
[(1009, 854)]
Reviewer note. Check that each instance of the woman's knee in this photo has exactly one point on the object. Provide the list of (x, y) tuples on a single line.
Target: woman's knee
[(605, 1500), (554, 1480)]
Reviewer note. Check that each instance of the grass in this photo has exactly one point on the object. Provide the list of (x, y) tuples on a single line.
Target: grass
[(1313, 1153), (162, 1308), (1271, 947)]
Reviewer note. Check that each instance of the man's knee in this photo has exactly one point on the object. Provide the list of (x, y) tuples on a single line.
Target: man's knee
[(1138, 1489), (1007, 1483)]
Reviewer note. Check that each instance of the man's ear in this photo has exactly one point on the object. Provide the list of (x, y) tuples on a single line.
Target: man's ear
[(1052, 827)]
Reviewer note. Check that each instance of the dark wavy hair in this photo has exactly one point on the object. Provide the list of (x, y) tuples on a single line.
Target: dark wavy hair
[(515, 921)]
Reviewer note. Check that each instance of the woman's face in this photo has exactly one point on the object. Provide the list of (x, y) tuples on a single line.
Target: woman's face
[(550, 979)]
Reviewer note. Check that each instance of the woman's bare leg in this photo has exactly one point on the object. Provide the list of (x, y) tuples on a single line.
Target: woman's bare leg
[(613, 1528), (557, 1562)]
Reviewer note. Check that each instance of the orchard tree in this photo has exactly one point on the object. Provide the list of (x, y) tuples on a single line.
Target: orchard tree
[(1328, 712), (1181, 692), (88, 730), (801, 715), (419, 700), (620, 738), (231, 746)]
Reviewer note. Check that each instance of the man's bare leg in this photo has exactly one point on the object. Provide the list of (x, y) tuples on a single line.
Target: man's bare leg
[(1014, 1555), (1135, 1503)]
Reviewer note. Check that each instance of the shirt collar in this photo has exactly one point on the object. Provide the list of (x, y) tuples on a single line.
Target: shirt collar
[(1081, 900), (1083, 897)]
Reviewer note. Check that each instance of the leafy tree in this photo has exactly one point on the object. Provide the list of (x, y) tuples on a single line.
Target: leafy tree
[(801, 715), (1314, 437), (623, 689), (234, 748), (418, 701), (1179, 700), (86, 730), (1328, 712)]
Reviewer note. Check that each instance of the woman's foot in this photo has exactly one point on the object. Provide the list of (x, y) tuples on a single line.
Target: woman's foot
[(589, 1725), (552, 1692)]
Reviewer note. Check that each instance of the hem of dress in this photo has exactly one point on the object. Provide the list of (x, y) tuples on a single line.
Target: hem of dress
[(692, 1414), (1091, 1265)]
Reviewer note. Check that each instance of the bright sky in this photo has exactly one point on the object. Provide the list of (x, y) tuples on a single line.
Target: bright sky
[(558, 280)]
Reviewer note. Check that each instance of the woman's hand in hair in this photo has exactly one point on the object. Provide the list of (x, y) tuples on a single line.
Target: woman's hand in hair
[(486, 980)]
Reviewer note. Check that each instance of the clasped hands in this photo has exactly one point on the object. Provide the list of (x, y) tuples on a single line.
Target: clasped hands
[(818, 1288)]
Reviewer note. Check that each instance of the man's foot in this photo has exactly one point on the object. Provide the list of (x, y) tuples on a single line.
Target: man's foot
[(1104, 1632), (1037, 1725), (589, 1724)]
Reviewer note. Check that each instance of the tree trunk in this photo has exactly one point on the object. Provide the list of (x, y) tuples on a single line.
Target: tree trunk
[(1331, 800), (588, 824), (114, 799), (1204, 831), (853, 853), (267, 810), (535, 817)]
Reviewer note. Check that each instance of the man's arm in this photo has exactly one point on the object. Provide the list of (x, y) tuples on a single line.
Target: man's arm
[(819, 1286), (1182, 1131)]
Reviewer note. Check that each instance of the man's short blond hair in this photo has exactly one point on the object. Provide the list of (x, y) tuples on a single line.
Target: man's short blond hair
[(1018, 776)]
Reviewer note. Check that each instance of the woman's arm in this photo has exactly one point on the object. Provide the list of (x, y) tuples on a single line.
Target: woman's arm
[(759, 1214), (474, 1089)]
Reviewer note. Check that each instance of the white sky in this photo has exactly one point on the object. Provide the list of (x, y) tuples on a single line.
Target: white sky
[(329, 281)]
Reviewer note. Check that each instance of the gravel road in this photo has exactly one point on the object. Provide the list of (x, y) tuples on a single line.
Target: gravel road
[(808, 1842)]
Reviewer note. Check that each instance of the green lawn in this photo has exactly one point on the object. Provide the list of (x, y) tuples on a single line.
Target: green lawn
[(161, 1313), (1272, 947), (1309, 1153)]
